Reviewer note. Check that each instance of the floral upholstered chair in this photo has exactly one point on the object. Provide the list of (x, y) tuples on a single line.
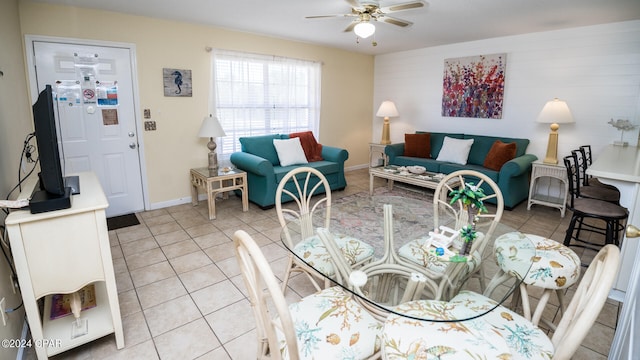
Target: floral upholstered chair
[(309, 201), (458, 196), (499, 333), (326, 325)]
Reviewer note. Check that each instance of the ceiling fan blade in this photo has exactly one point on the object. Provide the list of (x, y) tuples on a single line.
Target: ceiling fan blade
[(395, 21), (328, 16), (403, 7)]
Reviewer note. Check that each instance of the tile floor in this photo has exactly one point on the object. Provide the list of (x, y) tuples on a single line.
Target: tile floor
[(182, 297)]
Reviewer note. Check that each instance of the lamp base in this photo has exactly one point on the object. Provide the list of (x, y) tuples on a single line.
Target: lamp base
[(385, 132), (552, 146), (213, 157)]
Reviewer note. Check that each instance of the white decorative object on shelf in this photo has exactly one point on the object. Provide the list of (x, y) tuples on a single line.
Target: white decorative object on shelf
[(623, 125), (417, 169)]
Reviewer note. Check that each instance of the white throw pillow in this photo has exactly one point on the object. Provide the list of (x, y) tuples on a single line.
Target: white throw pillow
[(290, 151), (455, 150)]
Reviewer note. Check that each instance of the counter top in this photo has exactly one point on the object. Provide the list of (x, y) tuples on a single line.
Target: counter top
[(617, 162)]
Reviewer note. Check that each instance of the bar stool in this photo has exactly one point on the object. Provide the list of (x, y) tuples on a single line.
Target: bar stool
[(613, 215), (554, 268), (588, 160), (590, 187)]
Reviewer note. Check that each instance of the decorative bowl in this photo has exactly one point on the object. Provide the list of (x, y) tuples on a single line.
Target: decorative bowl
[(417, 169)]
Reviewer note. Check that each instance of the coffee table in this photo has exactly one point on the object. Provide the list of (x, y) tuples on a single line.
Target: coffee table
[(392, 173)]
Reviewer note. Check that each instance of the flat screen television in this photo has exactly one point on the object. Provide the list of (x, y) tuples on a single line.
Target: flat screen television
[(51, 193)]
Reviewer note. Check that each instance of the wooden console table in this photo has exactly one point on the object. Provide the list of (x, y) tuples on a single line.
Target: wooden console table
[(59, 252)]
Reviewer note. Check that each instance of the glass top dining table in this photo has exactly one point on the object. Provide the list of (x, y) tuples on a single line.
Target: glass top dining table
[(389, 223)]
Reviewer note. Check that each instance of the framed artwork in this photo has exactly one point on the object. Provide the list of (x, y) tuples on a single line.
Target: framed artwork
[(473, 86), (177, 82)]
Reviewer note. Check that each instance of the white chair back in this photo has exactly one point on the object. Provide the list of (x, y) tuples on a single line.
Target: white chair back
[(265, 294), (587, 302), (308, 182)]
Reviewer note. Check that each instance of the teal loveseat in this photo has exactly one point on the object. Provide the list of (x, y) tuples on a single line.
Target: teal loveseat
[(512, 178), (260, 160)]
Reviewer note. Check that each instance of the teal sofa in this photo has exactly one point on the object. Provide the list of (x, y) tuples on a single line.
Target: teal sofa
[(512, 179), (260, 160)]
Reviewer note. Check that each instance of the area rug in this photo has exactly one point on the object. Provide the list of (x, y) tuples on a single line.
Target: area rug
[(362, 216), (118, 222)]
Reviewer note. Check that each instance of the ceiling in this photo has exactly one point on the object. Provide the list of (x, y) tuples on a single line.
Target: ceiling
[(440, 22)]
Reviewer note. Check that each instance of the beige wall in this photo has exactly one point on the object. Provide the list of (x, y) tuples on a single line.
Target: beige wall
[(15, 123), (347, 84)]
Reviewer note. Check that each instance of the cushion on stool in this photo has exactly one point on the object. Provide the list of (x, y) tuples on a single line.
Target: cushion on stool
[(555, 266)]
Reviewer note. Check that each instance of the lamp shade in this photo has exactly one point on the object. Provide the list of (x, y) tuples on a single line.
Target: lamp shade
[(555, 112), (211, 128), (364, 29), (387, 109)]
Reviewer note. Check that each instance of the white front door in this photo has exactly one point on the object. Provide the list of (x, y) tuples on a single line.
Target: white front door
[(96, 115)]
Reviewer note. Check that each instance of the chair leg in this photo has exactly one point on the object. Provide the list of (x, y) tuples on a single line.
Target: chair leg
[(569, 234), (542, 303)]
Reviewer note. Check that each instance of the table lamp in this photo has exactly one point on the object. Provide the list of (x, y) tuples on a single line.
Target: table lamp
[(387, 109), (554, 112), (211, 128)]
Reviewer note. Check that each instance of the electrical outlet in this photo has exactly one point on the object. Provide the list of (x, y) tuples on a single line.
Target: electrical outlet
[(149, 125), (4, 314)]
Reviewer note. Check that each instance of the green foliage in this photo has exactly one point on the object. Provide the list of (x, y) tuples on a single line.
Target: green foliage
[(470, 195)]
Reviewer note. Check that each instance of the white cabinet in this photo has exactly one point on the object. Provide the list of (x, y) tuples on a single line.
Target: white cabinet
[(59, 252)]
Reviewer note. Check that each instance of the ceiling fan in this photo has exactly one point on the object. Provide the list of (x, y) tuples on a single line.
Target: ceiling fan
[(367, 11)]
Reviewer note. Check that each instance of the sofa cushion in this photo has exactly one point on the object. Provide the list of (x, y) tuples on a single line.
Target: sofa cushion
[(312, 150), (455, 150), (499, 154), (325, 167), (417, 145), (290, 151), (436, 140), (262, 146)]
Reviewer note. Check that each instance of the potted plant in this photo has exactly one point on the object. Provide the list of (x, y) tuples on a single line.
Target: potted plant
[(470, 196)]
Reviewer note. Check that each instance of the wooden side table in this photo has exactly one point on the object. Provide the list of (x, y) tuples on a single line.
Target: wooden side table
[(539, 195), (218, 182), (377, 150)]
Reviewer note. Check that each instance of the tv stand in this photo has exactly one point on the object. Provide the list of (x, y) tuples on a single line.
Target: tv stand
[(43, 201), (60, 252)]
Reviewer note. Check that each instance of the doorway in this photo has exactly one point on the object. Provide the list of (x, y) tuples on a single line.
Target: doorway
[(96, 113)]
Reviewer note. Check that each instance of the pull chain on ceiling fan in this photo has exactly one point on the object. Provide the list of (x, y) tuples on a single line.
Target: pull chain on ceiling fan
[(367, 11)]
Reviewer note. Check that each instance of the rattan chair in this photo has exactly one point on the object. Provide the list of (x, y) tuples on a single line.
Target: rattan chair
[(327, 324), (500, 333), (311, 197), (417, 253)]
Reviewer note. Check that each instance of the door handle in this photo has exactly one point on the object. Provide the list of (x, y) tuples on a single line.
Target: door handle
[(632, 231), (132, 145)]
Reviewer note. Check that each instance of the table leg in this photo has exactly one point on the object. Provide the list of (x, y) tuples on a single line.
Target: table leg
[(245, 197), (194, 194), (371, 184), (211, 199)]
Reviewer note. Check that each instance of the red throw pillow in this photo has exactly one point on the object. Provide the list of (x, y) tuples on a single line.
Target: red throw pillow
[(312, 150), (499, 154), (417, 145)]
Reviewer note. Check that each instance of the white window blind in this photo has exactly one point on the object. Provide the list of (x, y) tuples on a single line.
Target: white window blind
[(260, 94)]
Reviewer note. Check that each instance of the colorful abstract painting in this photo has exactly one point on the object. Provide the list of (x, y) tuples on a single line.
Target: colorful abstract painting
[(474, 86)]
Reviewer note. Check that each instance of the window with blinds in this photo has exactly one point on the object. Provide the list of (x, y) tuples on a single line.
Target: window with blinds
[(259, 94)]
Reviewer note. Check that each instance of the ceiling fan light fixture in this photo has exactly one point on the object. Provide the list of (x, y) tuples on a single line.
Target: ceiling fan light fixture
[(364, 29)]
